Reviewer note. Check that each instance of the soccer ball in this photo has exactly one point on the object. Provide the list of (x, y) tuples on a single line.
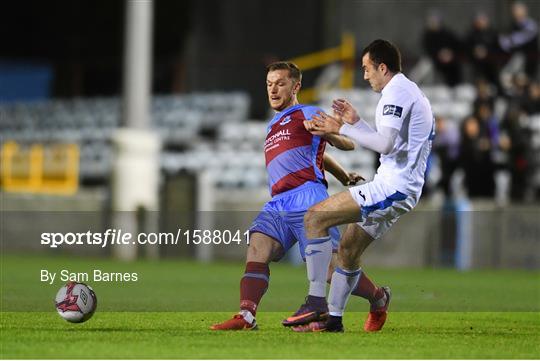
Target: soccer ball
[(76, 302)]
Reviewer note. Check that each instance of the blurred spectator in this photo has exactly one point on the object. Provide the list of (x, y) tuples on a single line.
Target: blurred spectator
[(444, 49), (489, 127), (520, 152), (522, 38), (446, 147), (475, 159), (483, 50), (488, 122), (485, 93), (531, 102), (517, 92)]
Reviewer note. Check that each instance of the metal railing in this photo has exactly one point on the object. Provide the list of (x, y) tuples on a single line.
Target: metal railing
[(344, 53)]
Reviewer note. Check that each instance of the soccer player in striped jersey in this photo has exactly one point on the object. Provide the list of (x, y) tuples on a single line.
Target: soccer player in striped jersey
[(295, 160)]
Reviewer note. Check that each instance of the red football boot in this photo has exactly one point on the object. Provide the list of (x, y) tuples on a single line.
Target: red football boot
[(377, 316), (237, 322)]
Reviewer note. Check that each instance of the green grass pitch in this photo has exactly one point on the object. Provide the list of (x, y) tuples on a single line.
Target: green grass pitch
[(166, 314)]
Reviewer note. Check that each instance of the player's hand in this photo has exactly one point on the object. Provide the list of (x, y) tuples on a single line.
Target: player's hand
[(353, 179), (337, 115), (345, 111), (312, 128), (323, 123)]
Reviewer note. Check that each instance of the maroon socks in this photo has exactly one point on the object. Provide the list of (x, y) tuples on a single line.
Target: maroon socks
[(366, 289), (253, 285)]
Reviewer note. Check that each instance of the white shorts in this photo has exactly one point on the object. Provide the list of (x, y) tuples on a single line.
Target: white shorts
[(381, 206)]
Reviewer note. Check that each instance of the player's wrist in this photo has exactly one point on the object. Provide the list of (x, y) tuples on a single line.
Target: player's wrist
[(345, 129), (359, 124), (343, 177), (353, 120)]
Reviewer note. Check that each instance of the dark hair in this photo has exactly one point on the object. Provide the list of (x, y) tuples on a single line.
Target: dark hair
[(384, 52), (294, 71)]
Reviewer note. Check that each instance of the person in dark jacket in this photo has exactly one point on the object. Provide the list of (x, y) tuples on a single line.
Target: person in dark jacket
[(522, 38), (475, 159), (444, 49), (483, 50)]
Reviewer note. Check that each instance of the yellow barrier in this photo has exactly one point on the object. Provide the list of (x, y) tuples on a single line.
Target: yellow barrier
[(344, 53), (52, 169)]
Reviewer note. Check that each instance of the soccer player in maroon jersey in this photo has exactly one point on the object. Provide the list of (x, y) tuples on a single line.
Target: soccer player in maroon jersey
[(295, 161)]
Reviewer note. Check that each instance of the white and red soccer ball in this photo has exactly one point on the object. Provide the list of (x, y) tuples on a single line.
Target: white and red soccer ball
[(76, 302)]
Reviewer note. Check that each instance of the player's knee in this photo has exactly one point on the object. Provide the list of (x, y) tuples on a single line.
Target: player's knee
[(259, 252), (314, 219)]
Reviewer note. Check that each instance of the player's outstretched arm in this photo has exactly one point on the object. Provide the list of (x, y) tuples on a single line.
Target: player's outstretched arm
[(324, 125), (381, 141), (339, 141), (346, 178)]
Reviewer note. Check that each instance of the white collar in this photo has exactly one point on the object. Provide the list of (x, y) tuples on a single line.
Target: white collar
[(400, 75)]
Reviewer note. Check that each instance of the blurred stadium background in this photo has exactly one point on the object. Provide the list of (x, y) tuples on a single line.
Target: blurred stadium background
[(152, 115)]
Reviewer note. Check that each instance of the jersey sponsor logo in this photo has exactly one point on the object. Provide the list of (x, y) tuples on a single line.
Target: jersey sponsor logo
[(286, 120), (281, 133), (274, 140), (391, 109)]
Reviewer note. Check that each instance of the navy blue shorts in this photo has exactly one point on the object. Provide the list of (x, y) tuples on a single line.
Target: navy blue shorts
[(282, 218)]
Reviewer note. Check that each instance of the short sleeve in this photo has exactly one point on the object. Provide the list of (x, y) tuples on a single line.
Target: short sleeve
[(310, 111), (396, 104)]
